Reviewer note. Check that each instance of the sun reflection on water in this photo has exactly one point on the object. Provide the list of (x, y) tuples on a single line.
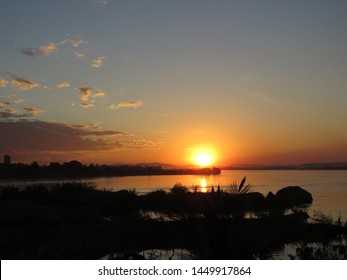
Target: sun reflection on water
[(203, 184)]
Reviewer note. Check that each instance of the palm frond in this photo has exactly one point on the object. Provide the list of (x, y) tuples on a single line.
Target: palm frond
[(241, 188), (246, 189), (241, 184), (233, 187)]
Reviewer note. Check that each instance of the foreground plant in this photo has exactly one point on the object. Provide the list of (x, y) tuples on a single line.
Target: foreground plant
[(234, 188)]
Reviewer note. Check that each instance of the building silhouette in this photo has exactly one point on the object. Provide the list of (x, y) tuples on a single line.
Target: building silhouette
[(7, 159)]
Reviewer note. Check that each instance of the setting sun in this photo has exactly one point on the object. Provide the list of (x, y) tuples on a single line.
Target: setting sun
[(203, 158)]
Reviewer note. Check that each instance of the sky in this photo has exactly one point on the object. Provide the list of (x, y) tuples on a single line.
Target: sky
[(140, 81)]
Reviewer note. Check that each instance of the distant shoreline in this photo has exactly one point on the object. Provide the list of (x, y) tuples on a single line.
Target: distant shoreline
[(306, 166), (75, 170)]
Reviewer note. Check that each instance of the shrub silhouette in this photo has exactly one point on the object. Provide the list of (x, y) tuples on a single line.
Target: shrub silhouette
[(179, 190)]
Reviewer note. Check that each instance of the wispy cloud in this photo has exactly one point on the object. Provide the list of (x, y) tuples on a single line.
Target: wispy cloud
[(64, 85), (265, 97), (48, 49), (87, 105), (131, 104), (4, 104), (33, 111), (101, 2), (142, 144), (10, 113), (51, 47), (18, 100), (98, 93), (97, 62), (42, 50), (86, 92), (24, 84), (80, 55), (160, 132), (75, 42), (12, 99), (261, 95), (89, 95), (3, 82)]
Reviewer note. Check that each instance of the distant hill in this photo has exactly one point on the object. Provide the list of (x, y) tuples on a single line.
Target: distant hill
[(324, 166), (155, 164), (306, 166)]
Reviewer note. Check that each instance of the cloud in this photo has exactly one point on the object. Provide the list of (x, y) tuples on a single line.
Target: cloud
[(132, 104), (12, 99), (86, 92), (30, 51), (95, 126), (10, 113), (4, 104), (87, 105), (39, 136), (89, 95), (33, 111), (101, 2), (18, 100), (24, 84), (98, 93), (51, 47), (97, 62), (160, 132), (141, 144), (42, 50), (3, 82), (64, 85), (28, 140), (80, 55), (75, 42), (48, 49)]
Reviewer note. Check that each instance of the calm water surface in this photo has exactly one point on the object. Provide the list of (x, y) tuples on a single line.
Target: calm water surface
[(328, 188)]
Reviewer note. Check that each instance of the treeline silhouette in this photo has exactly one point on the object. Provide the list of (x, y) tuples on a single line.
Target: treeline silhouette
[(75, 169)]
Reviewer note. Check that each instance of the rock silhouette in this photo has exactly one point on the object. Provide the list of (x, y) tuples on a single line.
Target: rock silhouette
[(292, 195)]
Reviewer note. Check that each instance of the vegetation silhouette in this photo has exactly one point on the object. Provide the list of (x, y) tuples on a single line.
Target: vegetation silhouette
[(240, 189), (75, 170), (78, 221)]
